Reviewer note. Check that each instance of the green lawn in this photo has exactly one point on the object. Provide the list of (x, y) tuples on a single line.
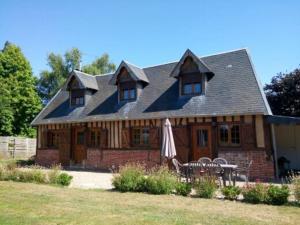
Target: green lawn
[(22, 203)]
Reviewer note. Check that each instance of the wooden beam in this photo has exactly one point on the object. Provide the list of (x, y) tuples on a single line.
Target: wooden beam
[(207, 119), (259, 128), (248, 119), (220, 119)]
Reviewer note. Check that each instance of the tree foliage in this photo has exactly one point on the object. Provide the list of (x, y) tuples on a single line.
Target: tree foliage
[(51, 80), (20, 102), (283, 93)]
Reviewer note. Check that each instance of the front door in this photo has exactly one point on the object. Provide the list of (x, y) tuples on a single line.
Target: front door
[(79, 150), (201, 141)]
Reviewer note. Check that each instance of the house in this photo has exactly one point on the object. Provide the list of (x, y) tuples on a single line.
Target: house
[(215, 103)]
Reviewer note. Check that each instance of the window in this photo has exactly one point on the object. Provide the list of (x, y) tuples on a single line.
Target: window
[(80, 138), (52, 139), (140, 136), (128, 94), (223, 134), (95, 138), (235, 134), (192, 89), (229, 135), (202, 138), (77, 97)]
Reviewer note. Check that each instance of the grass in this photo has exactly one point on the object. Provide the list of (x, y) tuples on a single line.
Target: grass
[(25, 203)]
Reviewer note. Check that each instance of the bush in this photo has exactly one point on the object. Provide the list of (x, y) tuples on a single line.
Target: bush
[(254, 194), (296, 186), (64, 179), (206, 187), (231, 192), (53, 174), (161, 181), (277, 195), (130, 179), (183, 188)]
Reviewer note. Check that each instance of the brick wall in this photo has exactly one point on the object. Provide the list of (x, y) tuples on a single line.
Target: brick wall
[(104, 159), (47, 157), (262, 167)]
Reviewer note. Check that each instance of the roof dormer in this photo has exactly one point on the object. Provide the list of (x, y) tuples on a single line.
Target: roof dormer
[(130, 81), (81, 87), (192, 73)]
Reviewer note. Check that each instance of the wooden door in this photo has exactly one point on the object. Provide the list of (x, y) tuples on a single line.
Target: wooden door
[(79, 145), (64, 146), (201, 141)]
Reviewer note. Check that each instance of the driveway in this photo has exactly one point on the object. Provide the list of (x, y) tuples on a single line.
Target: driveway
[(90, 180)]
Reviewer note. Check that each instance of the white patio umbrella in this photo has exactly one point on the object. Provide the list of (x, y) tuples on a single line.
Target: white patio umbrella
[(168, 146)]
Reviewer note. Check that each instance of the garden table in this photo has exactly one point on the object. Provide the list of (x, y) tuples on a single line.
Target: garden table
[(228, 169)]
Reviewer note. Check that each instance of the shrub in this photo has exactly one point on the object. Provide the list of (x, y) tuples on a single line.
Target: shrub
[(130, 179), (231, 192), (53, 174), (277, 195), (254, 194), (183, 188), (296, 187), (64, 179), (206, 187), (161, 181)]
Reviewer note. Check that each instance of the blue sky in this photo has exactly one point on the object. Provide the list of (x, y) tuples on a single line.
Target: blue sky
[(152, 32)]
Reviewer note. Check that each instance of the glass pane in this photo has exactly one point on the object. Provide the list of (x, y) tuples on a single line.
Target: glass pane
[(202, 138), (224, 134), (235, 134), (145, 136), (197, 88), (80, 138), (81, 101), (132, 94), (187, 89), (136, 136), (125, 94)]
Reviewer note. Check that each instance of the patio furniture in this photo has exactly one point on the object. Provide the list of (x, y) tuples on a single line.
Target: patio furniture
[(181, 171), (228, 168), (204, 160), (243, 171), (196, 170), (220, 161), (215, 169)]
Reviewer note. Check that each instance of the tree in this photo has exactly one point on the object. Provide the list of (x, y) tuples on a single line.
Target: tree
[(60, 67), (283, 93), (20, 102), (100, 66)]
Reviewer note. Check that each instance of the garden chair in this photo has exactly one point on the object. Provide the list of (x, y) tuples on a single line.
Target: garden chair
[(180, 169), (204, 160), (215, 169), (196, 169), (220, 161), (244, 171)]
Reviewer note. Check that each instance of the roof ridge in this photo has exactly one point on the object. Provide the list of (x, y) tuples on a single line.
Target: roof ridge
[(205, 56)]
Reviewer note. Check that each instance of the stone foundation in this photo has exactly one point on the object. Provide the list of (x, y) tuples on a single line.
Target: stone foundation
[(47, 157), (105, 159), (262, 167)]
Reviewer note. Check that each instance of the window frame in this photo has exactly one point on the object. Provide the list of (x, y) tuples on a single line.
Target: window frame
[(130, 91), (193, 92), (97, 143), (141, 133), (229, 142), (52, 142), (79, 95)]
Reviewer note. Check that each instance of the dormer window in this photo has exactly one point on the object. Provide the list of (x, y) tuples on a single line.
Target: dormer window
[(130, 81), (81, 87), (192, 88), (128, 94), (192, 74)]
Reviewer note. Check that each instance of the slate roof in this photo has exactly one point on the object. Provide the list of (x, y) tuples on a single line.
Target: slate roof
[(86, 80), (136, 73), (201, 65), (233, 90)]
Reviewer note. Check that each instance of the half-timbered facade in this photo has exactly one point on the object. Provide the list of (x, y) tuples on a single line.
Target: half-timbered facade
[(215, 104)]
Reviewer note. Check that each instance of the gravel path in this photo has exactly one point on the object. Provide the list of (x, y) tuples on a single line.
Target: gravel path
[(90, 180)]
